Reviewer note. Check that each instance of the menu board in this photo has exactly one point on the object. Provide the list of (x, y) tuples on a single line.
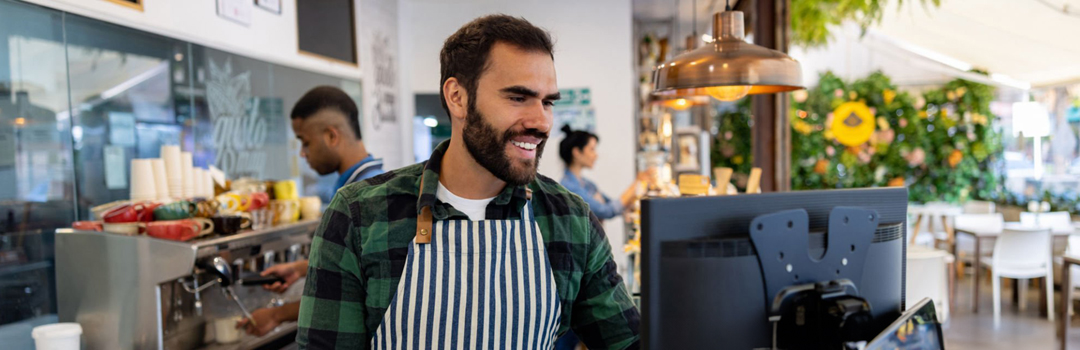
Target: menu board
[(326, 28)]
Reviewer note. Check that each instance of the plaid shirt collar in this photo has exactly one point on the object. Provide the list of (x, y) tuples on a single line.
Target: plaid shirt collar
[(506, 205)]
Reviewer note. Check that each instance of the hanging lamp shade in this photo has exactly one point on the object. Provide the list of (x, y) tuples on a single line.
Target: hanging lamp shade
[(728, 68)]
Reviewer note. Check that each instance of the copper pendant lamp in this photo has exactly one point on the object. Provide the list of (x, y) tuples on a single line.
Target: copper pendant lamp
[(728, 68)]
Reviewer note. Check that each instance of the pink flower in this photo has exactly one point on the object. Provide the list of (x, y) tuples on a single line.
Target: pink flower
[(873, 111), (903, 123), (838, 93), (886, 136), (864, 157), (916, 157), (830, 151)]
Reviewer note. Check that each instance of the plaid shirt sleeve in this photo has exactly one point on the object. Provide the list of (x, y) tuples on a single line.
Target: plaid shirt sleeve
[(332, 310), (604, 316)]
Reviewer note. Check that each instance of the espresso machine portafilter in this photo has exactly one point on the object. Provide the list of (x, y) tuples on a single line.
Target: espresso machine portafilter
[(220, 268)]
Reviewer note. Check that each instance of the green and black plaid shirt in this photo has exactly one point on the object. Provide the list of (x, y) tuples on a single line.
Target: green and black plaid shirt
[(359, 252)]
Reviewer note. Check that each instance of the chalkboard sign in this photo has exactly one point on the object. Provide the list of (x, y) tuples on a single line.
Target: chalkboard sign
[(326, 28), (135, 4)]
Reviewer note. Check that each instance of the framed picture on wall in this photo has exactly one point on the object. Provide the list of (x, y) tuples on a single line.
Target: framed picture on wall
[(238, 11), (269, 5), (134, 4), (687, 150)]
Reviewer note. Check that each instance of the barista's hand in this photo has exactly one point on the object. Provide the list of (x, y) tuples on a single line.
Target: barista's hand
[(265, 321), (289, 272)]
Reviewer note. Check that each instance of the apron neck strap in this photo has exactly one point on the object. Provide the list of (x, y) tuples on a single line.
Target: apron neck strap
[(423, 222)]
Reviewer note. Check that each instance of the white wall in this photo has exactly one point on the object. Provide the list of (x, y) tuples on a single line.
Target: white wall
[(387, 117), (270, 37), (593, 48)]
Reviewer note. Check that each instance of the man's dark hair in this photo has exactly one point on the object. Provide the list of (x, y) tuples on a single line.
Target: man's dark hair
[(574, 139), (323, 97), (465, 53)]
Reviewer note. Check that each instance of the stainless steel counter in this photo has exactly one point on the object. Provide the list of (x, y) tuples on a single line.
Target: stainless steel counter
[(138, 292)]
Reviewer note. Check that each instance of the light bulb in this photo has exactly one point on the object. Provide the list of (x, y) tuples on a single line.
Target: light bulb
[(679, 104), (728, 93)]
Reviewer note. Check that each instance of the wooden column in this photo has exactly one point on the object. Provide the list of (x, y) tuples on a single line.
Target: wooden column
[(770, 23)]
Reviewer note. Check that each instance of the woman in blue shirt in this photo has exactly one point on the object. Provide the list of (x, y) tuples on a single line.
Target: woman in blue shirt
[(578, 151)]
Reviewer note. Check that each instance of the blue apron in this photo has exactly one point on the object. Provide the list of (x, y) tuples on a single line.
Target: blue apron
[(477, 285)]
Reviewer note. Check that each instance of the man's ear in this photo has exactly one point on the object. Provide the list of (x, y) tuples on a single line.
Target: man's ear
[(457, 99), (332, 135)]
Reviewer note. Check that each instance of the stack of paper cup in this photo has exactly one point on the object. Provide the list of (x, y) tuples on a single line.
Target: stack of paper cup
[(142, 180), (208, 181), (187, 175), (161, 180), (170, 154), (57, 336), (199, 177)]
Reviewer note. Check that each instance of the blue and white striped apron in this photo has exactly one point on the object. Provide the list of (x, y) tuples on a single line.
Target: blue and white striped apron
[(478, 285)]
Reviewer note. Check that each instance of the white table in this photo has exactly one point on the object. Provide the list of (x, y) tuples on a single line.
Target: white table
[(933, 210), (980, 233)]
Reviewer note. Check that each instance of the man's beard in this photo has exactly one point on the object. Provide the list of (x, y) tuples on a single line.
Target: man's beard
[(489, 149)]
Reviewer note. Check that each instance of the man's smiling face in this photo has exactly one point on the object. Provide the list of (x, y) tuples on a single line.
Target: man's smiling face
[(510, 117)]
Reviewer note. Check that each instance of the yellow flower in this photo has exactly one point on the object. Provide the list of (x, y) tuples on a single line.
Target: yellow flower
[(737, 160), (979, 119), (960, 91), (802, 127), (882, 123), (922, 114), (889, 96), (828, 134), (851, 95), (853, 124), (896, 182), (950, 95)]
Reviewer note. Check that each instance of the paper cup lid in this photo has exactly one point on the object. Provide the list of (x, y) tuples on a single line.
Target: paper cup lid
[(57, 330)]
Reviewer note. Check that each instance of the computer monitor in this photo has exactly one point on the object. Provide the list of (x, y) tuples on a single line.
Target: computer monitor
[(917, 329), (704, 284)]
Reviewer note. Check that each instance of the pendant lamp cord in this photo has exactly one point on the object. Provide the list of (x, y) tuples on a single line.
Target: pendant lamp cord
[(694, 32)]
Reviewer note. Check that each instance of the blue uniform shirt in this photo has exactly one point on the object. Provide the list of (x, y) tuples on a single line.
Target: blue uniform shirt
[(587, 190)]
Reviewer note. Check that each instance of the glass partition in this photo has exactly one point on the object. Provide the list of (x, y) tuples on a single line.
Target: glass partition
[(80, 98), (37, 187)]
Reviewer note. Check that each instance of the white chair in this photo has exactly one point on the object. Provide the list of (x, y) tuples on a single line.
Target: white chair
[(965, 244), (979, 207), (1058, 221), (1021, 255)]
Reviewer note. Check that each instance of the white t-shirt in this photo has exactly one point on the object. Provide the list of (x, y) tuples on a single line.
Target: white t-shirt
[(476, 209)]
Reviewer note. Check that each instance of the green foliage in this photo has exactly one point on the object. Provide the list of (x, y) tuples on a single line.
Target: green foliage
[(732, 144), (942, 146), (811, 20)]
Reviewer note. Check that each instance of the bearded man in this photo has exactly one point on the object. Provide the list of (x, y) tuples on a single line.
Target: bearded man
[(471, 249)]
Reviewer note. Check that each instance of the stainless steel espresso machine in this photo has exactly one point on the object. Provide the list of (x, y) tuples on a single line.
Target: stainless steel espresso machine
[(138, 292)]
